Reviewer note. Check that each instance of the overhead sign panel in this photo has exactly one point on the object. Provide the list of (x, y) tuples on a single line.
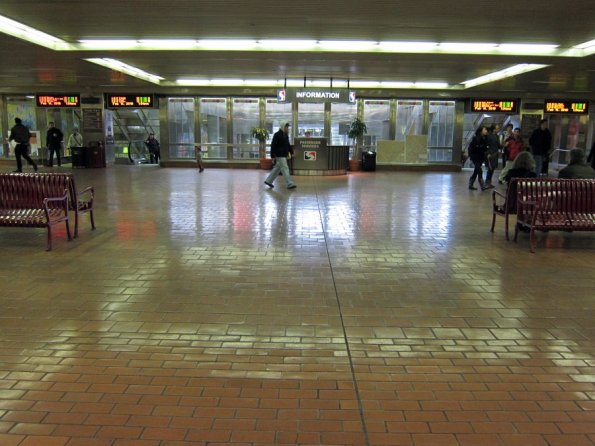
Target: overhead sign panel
[(129, 100), (334, 95), (556, 106), (495, 105), (58, 100)]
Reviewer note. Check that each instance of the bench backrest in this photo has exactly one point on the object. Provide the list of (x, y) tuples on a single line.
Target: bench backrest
[(557, 195), (27, 190)]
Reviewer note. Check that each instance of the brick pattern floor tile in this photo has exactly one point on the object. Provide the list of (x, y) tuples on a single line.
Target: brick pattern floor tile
[(365, 309)]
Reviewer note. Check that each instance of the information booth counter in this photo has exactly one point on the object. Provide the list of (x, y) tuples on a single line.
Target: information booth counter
[(313, 157)]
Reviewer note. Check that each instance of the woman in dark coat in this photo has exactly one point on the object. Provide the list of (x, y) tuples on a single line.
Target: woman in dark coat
[(477, 152)]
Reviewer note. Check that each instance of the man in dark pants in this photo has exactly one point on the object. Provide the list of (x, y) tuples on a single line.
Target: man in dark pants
[(53, 140), (541, 146), (280, 151), (20, 134)]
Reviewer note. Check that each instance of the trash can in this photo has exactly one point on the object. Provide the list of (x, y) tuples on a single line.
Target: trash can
[(95, 155), (369, 161), (79, 156)]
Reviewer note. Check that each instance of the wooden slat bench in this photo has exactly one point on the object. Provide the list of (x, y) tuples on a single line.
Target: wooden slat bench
[(548, 204), (34, 201)]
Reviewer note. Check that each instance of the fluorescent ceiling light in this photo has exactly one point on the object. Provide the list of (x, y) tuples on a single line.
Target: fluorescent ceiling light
[(583, 49), (24, 32), (503, 74), (168, 44), (227, 45), (466, 48), (287, 45), (526, 49), (109, 44), (348, 45), (585, 45), (431, 85), (116, 65), (407, 47)]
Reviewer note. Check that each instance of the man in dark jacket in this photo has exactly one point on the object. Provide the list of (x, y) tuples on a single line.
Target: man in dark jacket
[(541, 147), (280, 151), (53, 140), (20, 134)]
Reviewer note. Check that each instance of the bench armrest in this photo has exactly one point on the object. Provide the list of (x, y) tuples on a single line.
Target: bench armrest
[(498, 197), (63, 199), (87, 195)]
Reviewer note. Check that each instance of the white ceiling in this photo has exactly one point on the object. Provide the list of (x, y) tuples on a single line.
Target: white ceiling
[(28, 68)]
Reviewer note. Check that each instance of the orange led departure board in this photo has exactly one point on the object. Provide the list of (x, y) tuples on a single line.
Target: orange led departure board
[(579, 107), (494, 105), (58, 100), (129, 100)]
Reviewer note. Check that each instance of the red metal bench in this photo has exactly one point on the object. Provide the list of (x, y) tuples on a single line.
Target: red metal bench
[(80, 202), (548, 204), (34, 201)]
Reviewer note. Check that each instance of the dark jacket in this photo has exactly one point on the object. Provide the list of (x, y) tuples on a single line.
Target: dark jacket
[(20, 134), (577, 171), (153, 145), (54, 138), (280, 146), (591, 158), (541, 142), (477, 149)]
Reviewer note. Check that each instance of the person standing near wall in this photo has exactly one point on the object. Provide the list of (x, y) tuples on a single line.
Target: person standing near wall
[(20, 134), (53, 141), (154, 149), (75, 139), (541, 146)]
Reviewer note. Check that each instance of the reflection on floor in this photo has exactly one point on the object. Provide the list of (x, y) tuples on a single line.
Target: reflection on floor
[(367, 309)]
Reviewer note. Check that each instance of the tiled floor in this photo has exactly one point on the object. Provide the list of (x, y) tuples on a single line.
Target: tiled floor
[(368, 309)]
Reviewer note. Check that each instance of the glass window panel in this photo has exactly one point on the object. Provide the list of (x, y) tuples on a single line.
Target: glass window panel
[(213, 127), (310, 119), (276, 115), (409, 118), (442, 123), (341, 117), (377, 119), (245, 116), (180, 118)]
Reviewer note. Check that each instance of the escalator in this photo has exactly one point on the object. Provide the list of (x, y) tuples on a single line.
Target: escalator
[(131, 128)]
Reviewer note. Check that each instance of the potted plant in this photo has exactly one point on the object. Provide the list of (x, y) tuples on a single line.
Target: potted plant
[(357, 130), (261, 134)]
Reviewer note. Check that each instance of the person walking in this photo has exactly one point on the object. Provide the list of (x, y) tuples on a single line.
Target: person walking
[(154, 149), (541, 146), (54, 137), (280, 151), (198, 155), (477, 152), (20, 134), (492, 154)]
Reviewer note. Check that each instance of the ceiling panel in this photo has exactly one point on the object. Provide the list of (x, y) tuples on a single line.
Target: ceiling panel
[(29, 67)]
